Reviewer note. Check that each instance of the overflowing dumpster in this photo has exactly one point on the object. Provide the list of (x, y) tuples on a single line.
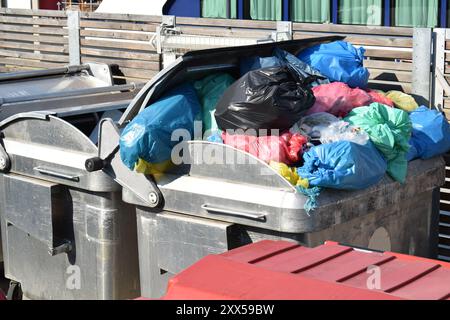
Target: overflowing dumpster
[(201, 206), (66, 233)]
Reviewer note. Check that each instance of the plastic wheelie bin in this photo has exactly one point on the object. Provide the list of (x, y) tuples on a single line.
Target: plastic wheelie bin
[(283, 270), (66, 233), (199, 208)]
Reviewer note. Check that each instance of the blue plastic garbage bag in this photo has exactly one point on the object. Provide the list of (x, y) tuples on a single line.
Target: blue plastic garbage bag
[(149, 135), (302, 69), (343, 165), (255, 63), (430, 134), (338, 61)]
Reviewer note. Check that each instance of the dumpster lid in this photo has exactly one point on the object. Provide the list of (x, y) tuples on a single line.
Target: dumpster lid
[(285, 270), (200, 63)]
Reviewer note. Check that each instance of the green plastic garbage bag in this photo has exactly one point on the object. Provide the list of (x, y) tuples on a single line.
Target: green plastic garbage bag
[(209, 91), (390, 130)]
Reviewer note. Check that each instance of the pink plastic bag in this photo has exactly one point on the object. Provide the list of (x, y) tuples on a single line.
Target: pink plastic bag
[(380, 98), (287, 148), (338, 99)]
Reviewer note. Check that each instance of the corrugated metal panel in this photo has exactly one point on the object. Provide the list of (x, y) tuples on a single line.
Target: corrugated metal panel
[(316, 11), (364, 12), (266, 264), (218, 8), (266, 9), (416, 13)]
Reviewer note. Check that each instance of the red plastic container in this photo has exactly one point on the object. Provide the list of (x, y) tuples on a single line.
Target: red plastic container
[(282, 270)]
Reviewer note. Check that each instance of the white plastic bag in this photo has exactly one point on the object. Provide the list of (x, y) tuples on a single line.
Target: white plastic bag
[(343, 131)]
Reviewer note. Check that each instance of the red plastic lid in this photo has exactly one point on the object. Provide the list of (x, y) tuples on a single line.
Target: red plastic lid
[(283, 270)]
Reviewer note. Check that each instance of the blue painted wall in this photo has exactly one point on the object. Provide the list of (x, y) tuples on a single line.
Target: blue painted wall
[(182, 8)]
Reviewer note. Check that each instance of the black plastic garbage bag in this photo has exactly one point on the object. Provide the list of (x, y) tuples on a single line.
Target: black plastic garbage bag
[(269, 98)]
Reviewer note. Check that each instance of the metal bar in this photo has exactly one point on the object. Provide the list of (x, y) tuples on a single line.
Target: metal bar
[(98, 107), (73, 25), (64, 94), (335, 11), (229, 9), (387, 13), (248, 215), (57, 174), (42, 73), (286, 9), (443, 23)]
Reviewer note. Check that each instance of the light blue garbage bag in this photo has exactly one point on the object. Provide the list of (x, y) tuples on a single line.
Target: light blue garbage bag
[(430, 134), (149, 135), (338, 61), (343, 165)]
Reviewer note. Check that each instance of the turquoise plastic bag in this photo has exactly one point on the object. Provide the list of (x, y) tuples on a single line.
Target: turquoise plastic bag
[(343, 165), (210, 90), (339, 61), (430, 134), (390, 131), (149, 135)]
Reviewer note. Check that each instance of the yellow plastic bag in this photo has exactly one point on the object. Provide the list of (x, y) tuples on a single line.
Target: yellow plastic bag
[(290, 174), (144, 167), (403, 101)]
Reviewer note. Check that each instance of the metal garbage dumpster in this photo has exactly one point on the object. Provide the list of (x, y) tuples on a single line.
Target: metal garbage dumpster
[(202, 206), (66, 232)]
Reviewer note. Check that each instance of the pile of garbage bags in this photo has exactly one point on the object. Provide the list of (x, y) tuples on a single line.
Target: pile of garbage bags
[(332, 131)]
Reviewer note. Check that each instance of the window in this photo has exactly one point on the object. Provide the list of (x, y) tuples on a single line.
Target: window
[(266, 9), (218, 8), (316, 11), (416, 13), (364, 12)]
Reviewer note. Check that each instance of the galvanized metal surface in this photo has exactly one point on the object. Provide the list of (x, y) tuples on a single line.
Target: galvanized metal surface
[(103, 262), (66, 233), (376, 218)]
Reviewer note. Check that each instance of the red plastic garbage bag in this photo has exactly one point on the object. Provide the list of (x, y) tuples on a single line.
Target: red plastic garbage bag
[(338, 99), (380, 98), (287, 148)]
